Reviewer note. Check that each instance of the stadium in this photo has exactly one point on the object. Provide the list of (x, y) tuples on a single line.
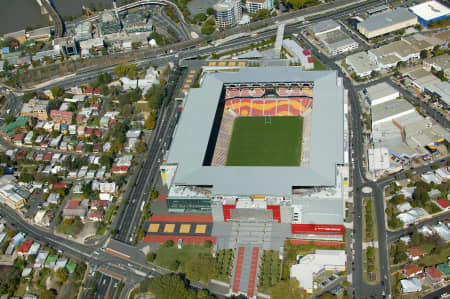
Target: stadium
[(266, 147)]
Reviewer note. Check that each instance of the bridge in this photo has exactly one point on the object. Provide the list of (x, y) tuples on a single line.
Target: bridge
[(53, 16)]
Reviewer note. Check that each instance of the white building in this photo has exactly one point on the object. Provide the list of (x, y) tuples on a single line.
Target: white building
[(254, 5), (381, 93), (411, 216), (442, 230), (379, 160), (227, 13), (362, 64), (411, 285), (313, 264), (429, 177)]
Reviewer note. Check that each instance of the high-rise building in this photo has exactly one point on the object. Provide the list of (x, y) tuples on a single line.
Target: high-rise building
[(228, 12), (254, 5)]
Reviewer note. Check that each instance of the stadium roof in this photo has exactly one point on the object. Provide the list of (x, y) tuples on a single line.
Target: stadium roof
[(387, 19), (430, 10), (192, 136)]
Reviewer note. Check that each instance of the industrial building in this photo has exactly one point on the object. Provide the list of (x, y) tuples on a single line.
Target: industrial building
[(389, 55), (381, 93), (440, 92), (137, 22), (254, 5), (387, 22), (227, 13), (362, 64), (330, 36), (389, 110), (430, 12), (299, 54), (109, 23), (439, 63)]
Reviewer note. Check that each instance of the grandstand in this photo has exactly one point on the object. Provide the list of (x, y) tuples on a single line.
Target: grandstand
[(294, 106)]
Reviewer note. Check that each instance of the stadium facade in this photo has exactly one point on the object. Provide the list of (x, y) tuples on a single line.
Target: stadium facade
[(310, 197)]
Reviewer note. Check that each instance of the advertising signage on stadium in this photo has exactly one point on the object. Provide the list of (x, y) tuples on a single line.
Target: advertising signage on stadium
[(330, 229)]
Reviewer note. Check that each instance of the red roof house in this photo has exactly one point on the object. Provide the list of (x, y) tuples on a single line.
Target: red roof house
[(98, 133), (59, 186), (414, 253), (64, 117), (47, 157), (412, 269), (88, 132), (310, 59), (443, 203), (95, 204), (80, 118), (120, 169), (73, 204), (434, 275), (24, 247), (97, 147), (306, 52), (95, 216)]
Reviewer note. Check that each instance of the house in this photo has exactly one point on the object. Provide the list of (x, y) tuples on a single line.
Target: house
[(70, 267), (34, 249), (414, 253), (95, 216), (40, 259), (29, 138), (63, 117), (60, 263), (443, 173), (411, 285), (97, 204), (445, 269), (42, 218), (106, 196), (443, 203), (26, 272), (442, 230), (53, 198), (50, 262), (403, 207), (429, 177), (24, 247), (412, 270), (108, 188), (434, 275), (79, 211), (120, 169)]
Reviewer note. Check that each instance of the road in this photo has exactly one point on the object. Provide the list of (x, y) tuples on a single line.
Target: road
[(149, 172)]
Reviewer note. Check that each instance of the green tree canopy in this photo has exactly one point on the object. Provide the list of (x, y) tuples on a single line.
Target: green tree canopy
[(167, 287), (125, 69)]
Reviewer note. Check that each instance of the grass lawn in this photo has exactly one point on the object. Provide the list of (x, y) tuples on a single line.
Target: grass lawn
[(255, 143), (318, 65), (172, 257), (270, 271)]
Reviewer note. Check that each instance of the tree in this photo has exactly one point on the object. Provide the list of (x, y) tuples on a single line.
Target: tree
[(167, 287), (140, 147), (286, 289), (276, 3), (209, 27), (31, 259), (210, 11), (106, 160), (28, 96), (62, 274), (57, 91), (423, 54), (201, 17), (125, 69), (150, 257), (150, 121), (261, 15), (201, 268)]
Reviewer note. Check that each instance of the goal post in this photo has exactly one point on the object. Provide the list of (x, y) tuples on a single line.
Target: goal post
[(267, 120)]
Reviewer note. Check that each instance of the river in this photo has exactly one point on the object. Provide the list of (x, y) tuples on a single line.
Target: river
[(18, 14)]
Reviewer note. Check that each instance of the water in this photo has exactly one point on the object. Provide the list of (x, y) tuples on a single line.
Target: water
[(18, 14)]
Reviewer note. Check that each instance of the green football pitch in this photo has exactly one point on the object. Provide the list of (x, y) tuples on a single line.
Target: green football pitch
[(262, 141)]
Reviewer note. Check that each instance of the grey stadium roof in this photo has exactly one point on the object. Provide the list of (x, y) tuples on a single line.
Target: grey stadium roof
[(387, 19), (194, 129)]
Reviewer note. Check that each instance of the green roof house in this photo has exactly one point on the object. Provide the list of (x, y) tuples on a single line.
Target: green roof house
[(50, 262), (70, 267), (444, 268)]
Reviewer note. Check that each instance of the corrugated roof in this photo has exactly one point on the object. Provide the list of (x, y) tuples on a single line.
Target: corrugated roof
[(430, 10), (194, 128), (386, 19)]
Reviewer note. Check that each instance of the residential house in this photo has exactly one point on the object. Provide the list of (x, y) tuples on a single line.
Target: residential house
[(411, 285), (434, 275), (63, 117), (412, 270), (95, 216), (414, 253)]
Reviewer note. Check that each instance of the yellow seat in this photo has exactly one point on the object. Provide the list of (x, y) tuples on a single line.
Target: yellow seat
[(185, 228), (200, 228), (169, 228), (153, 228)]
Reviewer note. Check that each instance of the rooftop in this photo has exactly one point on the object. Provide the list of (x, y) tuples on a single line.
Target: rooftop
[(380, 90), (430, 10), (192, 136), (324, 26), (387, 19), (390, 108), (361, 62)]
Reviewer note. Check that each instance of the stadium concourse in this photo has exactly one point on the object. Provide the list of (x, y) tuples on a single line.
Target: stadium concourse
[(258, 203)]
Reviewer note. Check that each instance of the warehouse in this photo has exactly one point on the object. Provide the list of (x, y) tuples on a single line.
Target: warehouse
[(362, 64), (430, 12), (381, 93), (387, 22), (390, 110), (389, 55), (330, 36)]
